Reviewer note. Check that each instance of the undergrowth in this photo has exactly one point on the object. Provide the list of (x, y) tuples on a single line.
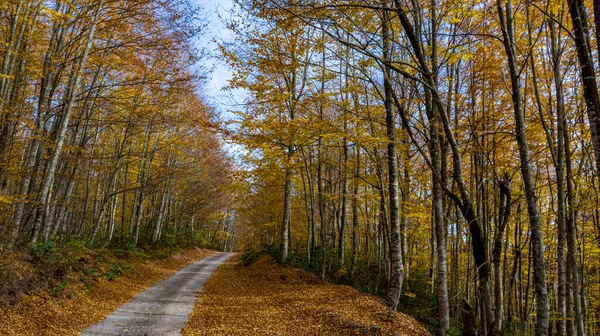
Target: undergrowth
[(54, 265)]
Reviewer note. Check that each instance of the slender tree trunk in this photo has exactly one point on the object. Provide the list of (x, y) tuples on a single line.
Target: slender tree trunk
[(161, 214), (394, 288), (560, 181), (581, 36), (405, 192), (572, 258), (355, 214), (543, 318), (322, 219), (307, 209), (287, 214), (438, 162), (60, 138), (504, 216), (343, 205), (320, 187)]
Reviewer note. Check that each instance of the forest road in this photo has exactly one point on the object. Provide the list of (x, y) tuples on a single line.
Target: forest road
[(164, 308)]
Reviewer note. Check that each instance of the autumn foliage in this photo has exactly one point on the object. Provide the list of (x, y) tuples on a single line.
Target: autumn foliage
[(442, 154), (447, 149), (104, 137)]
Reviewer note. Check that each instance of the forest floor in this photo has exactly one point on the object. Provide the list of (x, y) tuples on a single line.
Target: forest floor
[(87, 294), (262, 298), (267, 299)]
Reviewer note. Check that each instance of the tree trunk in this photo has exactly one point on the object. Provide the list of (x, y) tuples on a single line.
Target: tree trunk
[(504, 216), (60, 137), (560, 181), (355, 221), (571, 229), (543, 318), (287, 214), (394, 288), (308, 207), (343, 210), (581, 36)]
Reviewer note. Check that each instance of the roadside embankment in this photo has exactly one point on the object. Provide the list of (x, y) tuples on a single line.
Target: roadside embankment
[(80, 288)]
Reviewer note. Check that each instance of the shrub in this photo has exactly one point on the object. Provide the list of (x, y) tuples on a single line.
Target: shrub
[(120, 252), (162, 253), (45, 253), (92, 272), (251, 256), (58, 288), (116, 270)]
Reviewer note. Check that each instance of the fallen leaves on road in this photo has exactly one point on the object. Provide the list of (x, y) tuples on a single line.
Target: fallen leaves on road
[(43, 314), (266, 299)]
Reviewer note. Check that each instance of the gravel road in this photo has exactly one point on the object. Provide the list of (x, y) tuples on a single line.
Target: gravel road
[(163, 309)]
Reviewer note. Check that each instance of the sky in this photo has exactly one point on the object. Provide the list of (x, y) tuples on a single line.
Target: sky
[(223, 102), (216, 31)]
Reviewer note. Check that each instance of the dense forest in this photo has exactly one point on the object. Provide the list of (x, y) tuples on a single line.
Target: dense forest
[(104, 137), (448, 147), (443, 154)]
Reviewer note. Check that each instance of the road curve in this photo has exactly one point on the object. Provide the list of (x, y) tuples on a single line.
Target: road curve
[(164, 308)]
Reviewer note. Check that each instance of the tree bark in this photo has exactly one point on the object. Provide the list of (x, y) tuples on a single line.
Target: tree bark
[(287, 214), (571, 228), (394, 288), (560, 181), (504, 216), (39, 226), (535, 223), (355, 214), (581, 36)]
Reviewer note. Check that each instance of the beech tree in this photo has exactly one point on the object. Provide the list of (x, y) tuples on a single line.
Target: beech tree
[(103, 136), (473, 111)]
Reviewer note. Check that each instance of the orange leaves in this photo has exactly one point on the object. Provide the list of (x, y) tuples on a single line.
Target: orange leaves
[(42, 314), (266, 299)]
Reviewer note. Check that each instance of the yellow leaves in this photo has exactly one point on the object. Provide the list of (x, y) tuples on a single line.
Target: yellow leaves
[(6, 199), (222, 234), (54, 15), (460, 54), (342, 271)]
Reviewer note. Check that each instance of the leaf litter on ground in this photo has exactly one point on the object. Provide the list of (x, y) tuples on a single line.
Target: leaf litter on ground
[(267, 299), (80, 305)]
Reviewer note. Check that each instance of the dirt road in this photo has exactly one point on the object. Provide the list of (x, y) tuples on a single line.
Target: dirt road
[(163, 309)]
